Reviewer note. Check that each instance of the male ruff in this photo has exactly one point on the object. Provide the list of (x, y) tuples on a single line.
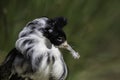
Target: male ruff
[(36, 55)]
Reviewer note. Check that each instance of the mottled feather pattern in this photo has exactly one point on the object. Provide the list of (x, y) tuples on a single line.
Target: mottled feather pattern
[(36, 55), (45, 62)]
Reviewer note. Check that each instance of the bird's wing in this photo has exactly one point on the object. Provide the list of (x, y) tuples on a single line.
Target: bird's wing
[(6, 66), (16, 77)]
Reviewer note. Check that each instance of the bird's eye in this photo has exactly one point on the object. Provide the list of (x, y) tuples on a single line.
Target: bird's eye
[(60, 39)]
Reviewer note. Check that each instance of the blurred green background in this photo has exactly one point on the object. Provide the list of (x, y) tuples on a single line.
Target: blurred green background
[(93, 30)]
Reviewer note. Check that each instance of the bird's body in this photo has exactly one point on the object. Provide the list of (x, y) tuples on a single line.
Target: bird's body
[(46, 62), (35, 56)]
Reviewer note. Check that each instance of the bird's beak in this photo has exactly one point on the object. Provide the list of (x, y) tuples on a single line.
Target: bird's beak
[(65, 45)]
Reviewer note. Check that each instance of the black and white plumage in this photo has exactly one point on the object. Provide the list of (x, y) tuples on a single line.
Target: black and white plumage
[(36, 55)]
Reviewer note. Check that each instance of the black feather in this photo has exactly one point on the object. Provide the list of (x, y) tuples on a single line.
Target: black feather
[(6, 66)]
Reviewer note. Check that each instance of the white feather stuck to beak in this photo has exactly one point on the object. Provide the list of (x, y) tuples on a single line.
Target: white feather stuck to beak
[(65, 45)]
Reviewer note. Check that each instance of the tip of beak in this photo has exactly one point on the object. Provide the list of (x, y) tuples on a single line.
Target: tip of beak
[(69, 48)]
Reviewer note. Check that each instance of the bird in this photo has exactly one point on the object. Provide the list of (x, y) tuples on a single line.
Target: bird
[(36, 55)]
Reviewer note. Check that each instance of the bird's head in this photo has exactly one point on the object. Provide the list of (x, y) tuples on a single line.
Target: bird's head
[(54, 30)]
